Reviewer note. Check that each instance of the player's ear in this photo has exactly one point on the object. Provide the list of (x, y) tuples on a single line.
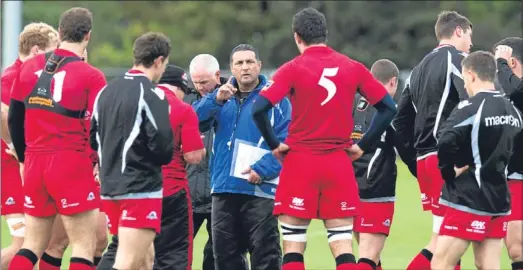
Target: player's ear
[(34, 50), (88, 36), (459, 31), (393, 81)]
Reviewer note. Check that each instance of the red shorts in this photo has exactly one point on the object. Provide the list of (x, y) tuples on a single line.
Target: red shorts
[(516, 195), (472, 227), (11, 189), (317, 186), (98, 190), (59, 182), (133, 213), (431, 183), (375, 217)]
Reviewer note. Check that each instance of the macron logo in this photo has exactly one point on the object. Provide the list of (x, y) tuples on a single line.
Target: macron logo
[(463, 104), (502, 120)]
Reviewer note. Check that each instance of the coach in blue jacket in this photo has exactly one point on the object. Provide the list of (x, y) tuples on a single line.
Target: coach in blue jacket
[(244, 173)]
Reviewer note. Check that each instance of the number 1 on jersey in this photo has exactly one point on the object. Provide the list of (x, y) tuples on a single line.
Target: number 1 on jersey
[(59, 78), (327, 83)]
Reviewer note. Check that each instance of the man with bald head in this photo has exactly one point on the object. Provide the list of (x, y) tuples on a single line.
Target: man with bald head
[(204, 70)]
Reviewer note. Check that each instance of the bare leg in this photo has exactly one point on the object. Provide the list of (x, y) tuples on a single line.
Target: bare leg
[(449, 251), (133, 245), (514, 240), (16, 225), (487, 254), (81, 230), (38, 233), (59, 240), (371, 245)]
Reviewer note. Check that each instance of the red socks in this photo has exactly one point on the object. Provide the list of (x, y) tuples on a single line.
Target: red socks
[(293, 261), (366, 264), (458, 267), (421, 261), (48, 262), (80, 264), (346, 261), (24, 259)]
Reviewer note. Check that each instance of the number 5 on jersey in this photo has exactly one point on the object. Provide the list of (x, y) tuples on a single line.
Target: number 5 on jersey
[(327, 83), (58, 85)]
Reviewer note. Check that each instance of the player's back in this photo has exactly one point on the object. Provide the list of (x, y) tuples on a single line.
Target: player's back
[(178, 110), (55, 117), (323, 92), (435, 87)]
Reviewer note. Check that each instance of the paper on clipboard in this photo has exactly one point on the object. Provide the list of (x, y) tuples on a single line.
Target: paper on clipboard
[(246, 155)]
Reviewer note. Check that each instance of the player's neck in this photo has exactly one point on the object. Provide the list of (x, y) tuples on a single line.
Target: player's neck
[(147, 71), (447, 42), (76, 48), (312, 46), (23, 58), (484, 87)]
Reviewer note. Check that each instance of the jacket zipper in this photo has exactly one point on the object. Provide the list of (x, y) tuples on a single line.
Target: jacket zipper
[(240, 104)]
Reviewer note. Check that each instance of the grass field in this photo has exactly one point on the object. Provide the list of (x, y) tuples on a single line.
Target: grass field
[(410, 232)]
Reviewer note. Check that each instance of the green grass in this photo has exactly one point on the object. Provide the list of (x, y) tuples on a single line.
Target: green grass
[(409, 233)]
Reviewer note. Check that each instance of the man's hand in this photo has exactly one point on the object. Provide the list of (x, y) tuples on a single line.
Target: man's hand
[(281, 151), (96, 173), (226, 91), (253, 178), (354, 152), (21, 165), (504, 52), (11, 152), (460, 171)]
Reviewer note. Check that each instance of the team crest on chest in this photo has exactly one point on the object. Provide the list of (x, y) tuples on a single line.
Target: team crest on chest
[(363, 104)]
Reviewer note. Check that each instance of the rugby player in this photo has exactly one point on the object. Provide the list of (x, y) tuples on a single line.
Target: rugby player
[(174, 245), (131, 131), (376, 173), (474, 148), (49, 100), (321, 84), (433, 89), (509, 57), (35, 38), (52, 257)]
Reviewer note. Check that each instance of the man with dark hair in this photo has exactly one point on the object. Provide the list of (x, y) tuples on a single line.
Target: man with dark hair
[(508, 53), (473, 151), (131, 131), (432, 90), (317, 179), (244, 173), (376, 171), (46, 122)]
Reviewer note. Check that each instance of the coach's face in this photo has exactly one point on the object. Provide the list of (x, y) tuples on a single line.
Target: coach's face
[(205, 82), (245, 67)]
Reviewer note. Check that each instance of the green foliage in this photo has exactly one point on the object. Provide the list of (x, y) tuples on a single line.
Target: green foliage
[(402, 31)]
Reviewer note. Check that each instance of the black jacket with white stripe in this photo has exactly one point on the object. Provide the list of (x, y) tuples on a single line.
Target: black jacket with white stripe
[(131, 132), (513, 87), (433, 89), (376, 170), (480, 134)]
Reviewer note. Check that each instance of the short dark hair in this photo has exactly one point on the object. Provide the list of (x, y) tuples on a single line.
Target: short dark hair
[(384, 70), (311, 26), (244, 47), (516, 43), (448, 21), (482, 63), (75, 24), (148, 47)]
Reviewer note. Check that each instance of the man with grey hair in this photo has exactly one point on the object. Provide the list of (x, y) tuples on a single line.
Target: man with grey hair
[(205, 76)]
